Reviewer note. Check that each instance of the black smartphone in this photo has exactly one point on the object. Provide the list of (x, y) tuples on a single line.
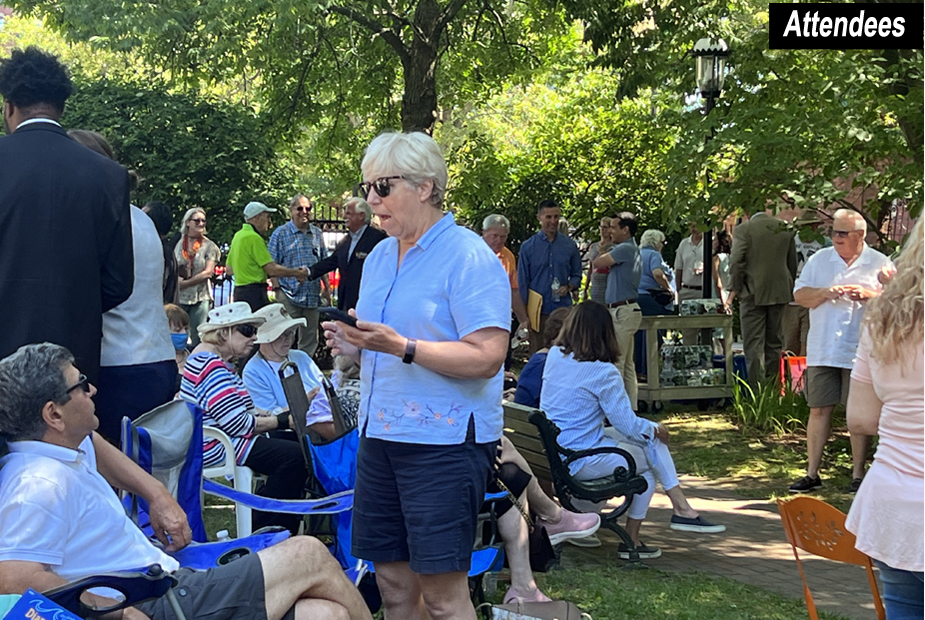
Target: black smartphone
[(336, 314)]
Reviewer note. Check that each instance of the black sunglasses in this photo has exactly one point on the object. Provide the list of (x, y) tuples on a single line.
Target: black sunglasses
[(841, 234), (381, 185), (83, 383), (246, 330)]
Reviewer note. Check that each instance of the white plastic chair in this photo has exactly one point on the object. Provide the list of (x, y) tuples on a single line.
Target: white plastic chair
[(242, 476)]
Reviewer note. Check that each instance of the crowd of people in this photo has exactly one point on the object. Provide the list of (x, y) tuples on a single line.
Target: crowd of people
[(127, 322)]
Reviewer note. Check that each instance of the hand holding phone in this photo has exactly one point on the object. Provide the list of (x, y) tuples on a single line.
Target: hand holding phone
[(335, 314)]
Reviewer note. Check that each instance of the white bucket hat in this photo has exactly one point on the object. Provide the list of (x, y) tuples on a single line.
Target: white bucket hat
[(229, 315), (277, 321)]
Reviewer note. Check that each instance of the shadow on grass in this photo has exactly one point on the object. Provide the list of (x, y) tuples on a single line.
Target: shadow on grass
[(751, 464)]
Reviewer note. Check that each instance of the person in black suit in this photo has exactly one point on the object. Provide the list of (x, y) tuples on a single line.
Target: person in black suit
[(351, 252), (65, 227)]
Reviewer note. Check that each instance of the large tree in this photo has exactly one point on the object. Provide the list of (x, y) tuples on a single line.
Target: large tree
[(311, 60), (802, 127)]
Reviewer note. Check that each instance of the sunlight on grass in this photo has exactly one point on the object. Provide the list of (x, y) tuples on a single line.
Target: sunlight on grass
[(710, 446)]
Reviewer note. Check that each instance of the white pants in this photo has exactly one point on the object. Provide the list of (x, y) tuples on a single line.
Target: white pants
[(601, 465)]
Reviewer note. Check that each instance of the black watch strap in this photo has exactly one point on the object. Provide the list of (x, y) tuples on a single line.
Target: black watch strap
[(410, 348)]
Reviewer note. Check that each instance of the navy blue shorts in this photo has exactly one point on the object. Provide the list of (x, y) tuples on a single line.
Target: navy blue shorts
[(419, 503)]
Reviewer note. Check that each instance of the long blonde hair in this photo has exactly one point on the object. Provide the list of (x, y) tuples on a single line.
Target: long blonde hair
[(895, 317)]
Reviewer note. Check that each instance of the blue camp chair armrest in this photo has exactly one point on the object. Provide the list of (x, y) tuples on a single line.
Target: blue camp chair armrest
[(147, 583)]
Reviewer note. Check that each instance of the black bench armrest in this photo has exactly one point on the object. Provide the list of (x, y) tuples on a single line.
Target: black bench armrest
[(630, 469)]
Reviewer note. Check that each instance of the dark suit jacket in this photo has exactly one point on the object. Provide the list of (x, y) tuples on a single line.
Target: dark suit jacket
[(763, 263), (65, 242), (351, 267)]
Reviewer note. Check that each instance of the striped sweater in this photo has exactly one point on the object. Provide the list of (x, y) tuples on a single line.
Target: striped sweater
[(211, 383)]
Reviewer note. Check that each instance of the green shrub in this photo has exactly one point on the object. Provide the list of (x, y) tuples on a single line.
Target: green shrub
[(772, 408)]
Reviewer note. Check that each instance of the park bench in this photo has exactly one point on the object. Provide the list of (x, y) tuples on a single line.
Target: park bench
[(536, 438)]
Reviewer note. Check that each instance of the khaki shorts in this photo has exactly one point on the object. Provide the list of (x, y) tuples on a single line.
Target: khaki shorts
[(827, 386)]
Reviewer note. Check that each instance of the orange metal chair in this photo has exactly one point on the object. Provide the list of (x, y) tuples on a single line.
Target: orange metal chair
[(817, 527)]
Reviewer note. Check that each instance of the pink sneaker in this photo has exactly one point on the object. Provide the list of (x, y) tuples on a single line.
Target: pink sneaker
[(572, 525), (536, 596)]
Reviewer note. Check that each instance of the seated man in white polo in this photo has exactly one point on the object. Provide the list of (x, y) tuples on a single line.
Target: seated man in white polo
[(60, 519)]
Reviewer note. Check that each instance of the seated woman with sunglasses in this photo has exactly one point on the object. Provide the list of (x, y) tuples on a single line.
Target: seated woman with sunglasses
[(435, 317), (210, 382), (581, 389)]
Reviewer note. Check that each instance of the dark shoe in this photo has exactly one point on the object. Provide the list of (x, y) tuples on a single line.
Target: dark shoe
[(645, 553), (806, 484), (854, 486), (699, 524)]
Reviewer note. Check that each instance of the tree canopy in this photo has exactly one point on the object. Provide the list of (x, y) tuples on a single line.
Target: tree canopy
[(794, 127)]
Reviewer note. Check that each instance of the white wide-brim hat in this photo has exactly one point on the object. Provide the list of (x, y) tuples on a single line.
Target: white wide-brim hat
[(229, 315), (277, 322)]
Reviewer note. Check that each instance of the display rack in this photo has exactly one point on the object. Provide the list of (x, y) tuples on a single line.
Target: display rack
[(652, 392)]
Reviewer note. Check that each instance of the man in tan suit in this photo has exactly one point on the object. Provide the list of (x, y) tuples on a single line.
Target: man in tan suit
[(763, 266)]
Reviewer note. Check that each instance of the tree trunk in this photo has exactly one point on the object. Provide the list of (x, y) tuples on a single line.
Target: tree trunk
[(419, 101)]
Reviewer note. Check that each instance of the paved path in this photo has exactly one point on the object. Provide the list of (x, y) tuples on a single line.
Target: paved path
[(753, 550)]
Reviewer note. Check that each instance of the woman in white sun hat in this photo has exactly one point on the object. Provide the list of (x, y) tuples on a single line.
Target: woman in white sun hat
[(261, 374), (209, 381)]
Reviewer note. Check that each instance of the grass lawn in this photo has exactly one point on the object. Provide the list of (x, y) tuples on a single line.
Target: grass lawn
[(708, 445), (609, 593)]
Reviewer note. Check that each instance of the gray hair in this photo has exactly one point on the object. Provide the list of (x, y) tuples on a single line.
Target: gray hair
[(651, 237), (294, 201), (186, 217), (496, 220), (414, 156), (860, 223), (29, 379), (361, 205)]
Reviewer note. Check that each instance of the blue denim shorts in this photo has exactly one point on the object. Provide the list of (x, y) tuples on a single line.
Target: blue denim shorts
[(419, 503)]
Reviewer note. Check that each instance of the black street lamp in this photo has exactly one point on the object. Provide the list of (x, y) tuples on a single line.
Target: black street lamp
[(710, 58)]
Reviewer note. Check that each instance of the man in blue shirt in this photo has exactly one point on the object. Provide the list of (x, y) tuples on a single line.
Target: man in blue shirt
[(550, 265), (298, 243), (622, 283)]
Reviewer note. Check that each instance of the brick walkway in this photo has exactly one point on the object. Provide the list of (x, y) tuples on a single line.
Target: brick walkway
[(753, 550)]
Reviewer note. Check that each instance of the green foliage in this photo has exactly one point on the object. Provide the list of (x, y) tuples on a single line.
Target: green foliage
[(561, 137), (771, 408), (189, 151), (789, 123)]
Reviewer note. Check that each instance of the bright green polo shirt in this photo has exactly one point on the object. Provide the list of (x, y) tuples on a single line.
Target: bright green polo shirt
[(247, 256)]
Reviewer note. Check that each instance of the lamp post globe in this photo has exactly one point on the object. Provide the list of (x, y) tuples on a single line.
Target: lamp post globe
[(710, 58)]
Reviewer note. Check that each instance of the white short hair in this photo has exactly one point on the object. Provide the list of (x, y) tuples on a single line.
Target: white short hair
[(651, 237), (496, 220), (362, 206), (859, 222), (414, 156)]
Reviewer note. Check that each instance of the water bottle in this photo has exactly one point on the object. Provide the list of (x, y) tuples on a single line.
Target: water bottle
[(555, 289), (222, 535)]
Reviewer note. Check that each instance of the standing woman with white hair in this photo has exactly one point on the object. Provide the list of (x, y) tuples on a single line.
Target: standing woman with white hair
[(434, 314), (654, 294), (197, 257)]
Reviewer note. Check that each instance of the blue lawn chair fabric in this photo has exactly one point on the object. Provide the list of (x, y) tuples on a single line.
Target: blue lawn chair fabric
[(167, 443), (335, 468)]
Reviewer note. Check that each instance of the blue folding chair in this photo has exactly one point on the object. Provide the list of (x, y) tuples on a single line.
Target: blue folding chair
[(167, 443)]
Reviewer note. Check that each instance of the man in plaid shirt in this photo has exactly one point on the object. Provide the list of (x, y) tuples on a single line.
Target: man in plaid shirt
[(298, 243)]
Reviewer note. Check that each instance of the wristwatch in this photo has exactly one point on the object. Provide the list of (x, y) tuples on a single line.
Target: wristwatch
[(410, 347)]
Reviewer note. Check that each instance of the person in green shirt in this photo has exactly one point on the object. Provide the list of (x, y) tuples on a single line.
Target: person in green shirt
[(250, 262)]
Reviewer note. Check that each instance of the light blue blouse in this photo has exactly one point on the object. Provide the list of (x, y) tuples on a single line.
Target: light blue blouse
[(449, 285), (577, 396)]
